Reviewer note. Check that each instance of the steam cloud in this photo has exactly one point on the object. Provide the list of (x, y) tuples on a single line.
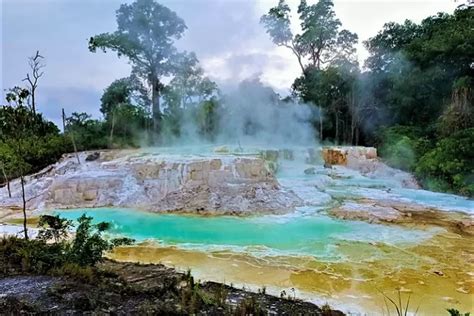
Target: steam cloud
[(253, 114)]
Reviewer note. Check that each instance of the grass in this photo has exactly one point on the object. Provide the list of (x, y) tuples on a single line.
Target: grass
[(401, 308)]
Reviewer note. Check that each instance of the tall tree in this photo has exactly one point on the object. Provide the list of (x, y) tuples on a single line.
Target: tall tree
[(16, 127), (36, 66), (145, 35), (278, 26), (321, 42)]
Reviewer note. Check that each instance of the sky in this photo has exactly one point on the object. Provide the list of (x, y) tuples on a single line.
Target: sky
[(225, 34)]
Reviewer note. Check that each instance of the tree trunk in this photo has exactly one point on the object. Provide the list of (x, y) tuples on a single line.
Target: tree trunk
[(63, 115), (33, 105), (357, 136), (320, 123), (75, 147), (155, 99), (111, 137), (336, 138), (7, 180), (22, 180)]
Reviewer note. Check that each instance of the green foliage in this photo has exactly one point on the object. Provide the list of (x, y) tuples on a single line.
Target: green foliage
[(28, 142), (88, 133), (207, 117), (459, 114), (321, 40), (119, 92), (88, 245), (402, 146), (145, 35), (333, 91), (53, 227), (413, 66), (249, 306), (17, 96), (53, 253), (455, 312), (75, 271), (29, 256), (450, 165)]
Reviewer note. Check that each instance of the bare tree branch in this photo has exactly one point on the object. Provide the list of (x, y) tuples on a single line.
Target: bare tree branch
[(36, 65)]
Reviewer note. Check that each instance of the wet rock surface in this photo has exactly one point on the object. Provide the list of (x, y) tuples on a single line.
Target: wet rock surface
[(364, 160), (128, 288), (396, 212)]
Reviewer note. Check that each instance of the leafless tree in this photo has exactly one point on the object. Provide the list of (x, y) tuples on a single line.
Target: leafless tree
[(36, 66)]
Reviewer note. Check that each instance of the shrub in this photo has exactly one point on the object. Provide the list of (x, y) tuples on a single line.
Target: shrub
[(88, 245), (450, 165), (402, 146), (73, 258), (29, 256)]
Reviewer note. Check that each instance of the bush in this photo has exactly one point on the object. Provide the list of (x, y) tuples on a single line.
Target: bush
[(450, 165), (402, 146), (29, 256), (53, 253)]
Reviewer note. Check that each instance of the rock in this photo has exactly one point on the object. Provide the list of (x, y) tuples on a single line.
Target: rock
[(462, 290), (93, 156), (372, 213), (153, 182), (364, 160), (309, 171), (335, 155), (221, 150), (327, 165), (343, 155)]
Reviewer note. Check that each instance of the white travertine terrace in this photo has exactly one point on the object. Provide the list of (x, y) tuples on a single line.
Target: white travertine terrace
[(153, 182)]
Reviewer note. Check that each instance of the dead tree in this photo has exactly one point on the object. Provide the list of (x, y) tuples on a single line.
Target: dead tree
[(36, 65), (7, 180), (71, 134)]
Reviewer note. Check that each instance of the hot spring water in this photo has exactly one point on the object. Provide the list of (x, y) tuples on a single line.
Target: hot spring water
[(298, 234), (343, 262)]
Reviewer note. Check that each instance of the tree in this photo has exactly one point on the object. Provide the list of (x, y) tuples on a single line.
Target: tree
[(334, 89), (145, 35), (17, 122), (17, 96), (119, 92), (321, 45), (277, 24), (321, 41), (125, 111), (459, 115), (85, 132), (36, 73), (186, 99), (189, 85)]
